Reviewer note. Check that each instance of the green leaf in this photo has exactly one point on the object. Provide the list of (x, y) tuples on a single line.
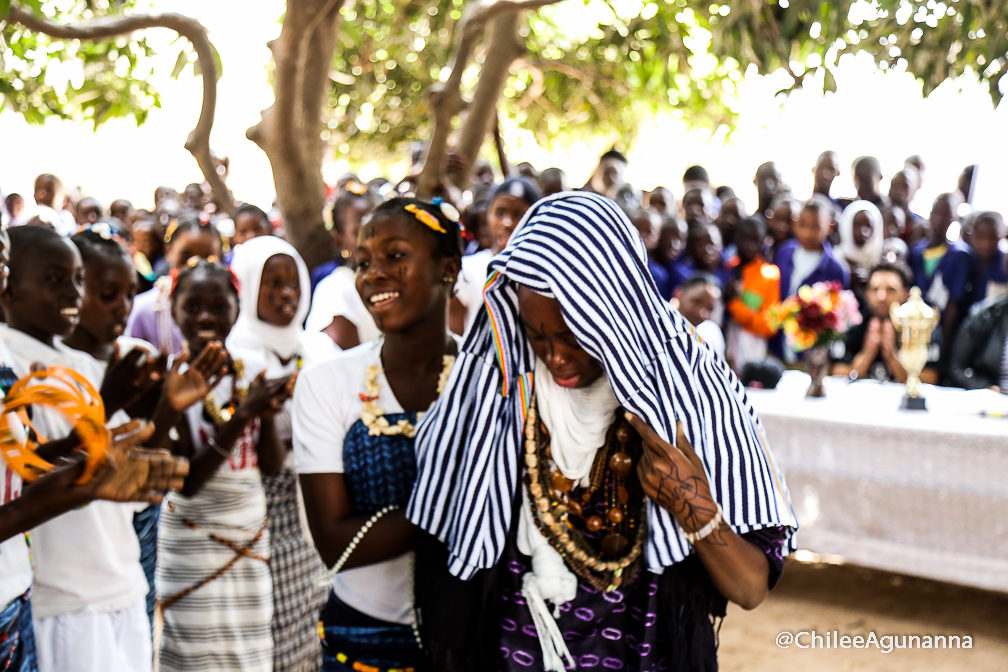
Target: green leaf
[(180, 64), (4, 9), (829, 81)]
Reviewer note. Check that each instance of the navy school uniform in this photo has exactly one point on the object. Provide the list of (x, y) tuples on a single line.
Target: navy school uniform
[(950, 281), (661, 278), (992, 279), (829, 270)]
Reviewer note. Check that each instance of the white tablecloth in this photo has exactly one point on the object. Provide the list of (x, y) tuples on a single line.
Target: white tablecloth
[(922, 493)]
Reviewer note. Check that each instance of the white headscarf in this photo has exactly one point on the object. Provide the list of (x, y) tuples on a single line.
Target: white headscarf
[(250, 332), (870, 253)]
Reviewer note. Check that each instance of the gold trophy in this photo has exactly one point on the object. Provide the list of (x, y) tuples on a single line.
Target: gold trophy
[(914, 321)]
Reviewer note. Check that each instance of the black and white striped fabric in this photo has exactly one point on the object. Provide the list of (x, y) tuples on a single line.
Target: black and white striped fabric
[(581, 250)]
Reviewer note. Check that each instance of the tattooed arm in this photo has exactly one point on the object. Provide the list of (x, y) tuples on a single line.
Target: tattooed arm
[(674, 477)]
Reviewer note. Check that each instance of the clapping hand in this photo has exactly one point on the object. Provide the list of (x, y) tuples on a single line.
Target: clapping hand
[(182, 390), (267, 397), (135, 474), (674, 477), (128, 378), (130, 474)]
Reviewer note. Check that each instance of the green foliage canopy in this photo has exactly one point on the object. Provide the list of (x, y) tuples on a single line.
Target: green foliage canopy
[(81, 81), (600, 64)]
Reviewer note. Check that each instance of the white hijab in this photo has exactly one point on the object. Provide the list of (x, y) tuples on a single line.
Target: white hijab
[(250, 332), (870, 253)]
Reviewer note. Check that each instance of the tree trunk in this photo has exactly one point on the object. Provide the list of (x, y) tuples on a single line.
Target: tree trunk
[(198, 142), (504, 47), (289, 132), (446, 99)]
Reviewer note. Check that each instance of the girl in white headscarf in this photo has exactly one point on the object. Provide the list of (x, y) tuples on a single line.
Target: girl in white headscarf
[(861, 239), (273, 301)]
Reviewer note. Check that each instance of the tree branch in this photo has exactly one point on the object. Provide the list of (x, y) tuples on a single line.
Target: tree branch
[(289, 129), (503, 47), (446, 99), (198, 142)]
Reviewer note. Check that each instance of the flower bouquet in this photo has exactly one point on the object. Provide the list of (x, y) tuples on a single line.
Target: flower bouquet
[(812, 320)]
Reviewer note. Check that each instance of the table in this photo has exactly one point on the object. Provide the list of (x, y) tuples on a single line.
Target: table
[(919, 493)]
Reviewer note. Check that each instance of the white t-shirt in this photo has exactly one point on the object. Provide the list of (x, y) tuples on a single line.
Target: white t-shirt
[(88, 558), (709, 331), (804, 263), (469, 287), (243, 452), (326, 405), (15, 565), (336, 295)]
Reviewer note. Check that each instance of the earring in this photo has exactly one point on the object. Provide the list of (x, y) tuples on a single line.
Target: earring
[(448, 280)]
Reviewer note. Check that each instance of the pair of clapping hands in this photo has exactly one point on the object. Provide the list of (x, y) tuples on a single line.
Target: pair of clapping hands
[(132, 473), (265, 397), (138, 375)]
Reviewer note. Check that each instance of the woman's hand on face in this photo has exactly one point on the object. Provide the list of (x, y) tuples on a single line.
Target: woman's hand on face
[(182, 390), (128, 378), (674, 476), (266, 397)]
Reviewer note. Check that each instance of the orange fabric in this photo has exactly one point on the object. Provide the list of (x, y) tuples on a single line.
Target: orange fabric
[(759, 290)]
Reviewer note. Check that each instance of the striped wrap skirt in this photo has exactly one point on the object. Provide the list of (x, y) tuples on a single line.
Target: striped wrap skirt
[(213, 578)]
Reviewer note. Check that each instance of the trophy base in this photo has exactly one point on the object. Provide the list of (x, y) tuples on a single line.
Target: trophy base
[(914, 404)]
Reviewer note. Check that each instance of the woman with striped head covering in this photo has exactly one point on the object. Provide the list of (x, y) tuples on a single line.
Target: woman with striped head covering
[(589, 451)]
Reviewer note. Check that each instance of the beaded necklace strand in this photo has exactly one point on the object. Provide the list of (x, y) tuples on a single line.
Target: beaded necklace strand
[(552, 505), (218, 415), (373, 417)]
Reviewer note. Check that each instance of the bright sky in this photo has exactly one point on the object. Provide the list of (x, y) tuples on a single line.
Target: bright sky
[(883, 114)]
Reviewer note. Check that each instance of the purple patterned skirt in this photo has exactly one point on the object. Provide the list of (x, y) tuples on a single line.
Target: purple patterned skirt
[(621, 630)]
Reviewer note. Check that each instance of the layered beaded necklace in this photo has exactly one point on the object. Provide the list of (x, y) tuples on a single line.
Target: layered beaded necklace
[(554, 504), (374, 418)]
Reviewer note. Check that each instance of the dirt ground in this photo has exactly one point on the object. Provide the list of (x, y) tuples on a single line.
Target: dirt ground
[(855, 601)]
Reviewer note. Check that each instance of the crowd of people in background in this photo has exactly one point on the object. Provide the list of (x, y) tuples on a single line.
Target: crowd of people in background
[(240, 313), (721, 263)]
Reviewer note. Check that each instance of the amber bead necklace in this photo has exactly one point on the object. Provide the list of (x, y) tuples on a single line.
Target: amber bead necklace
[(554, 504)]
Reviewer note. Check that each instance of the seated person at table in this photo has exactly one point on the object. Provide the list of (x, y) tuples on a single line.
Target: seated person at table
[(986, 230), (699, 301), (809, 258), (752, 292), (941, 268), (870, 349), (978, 355)]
